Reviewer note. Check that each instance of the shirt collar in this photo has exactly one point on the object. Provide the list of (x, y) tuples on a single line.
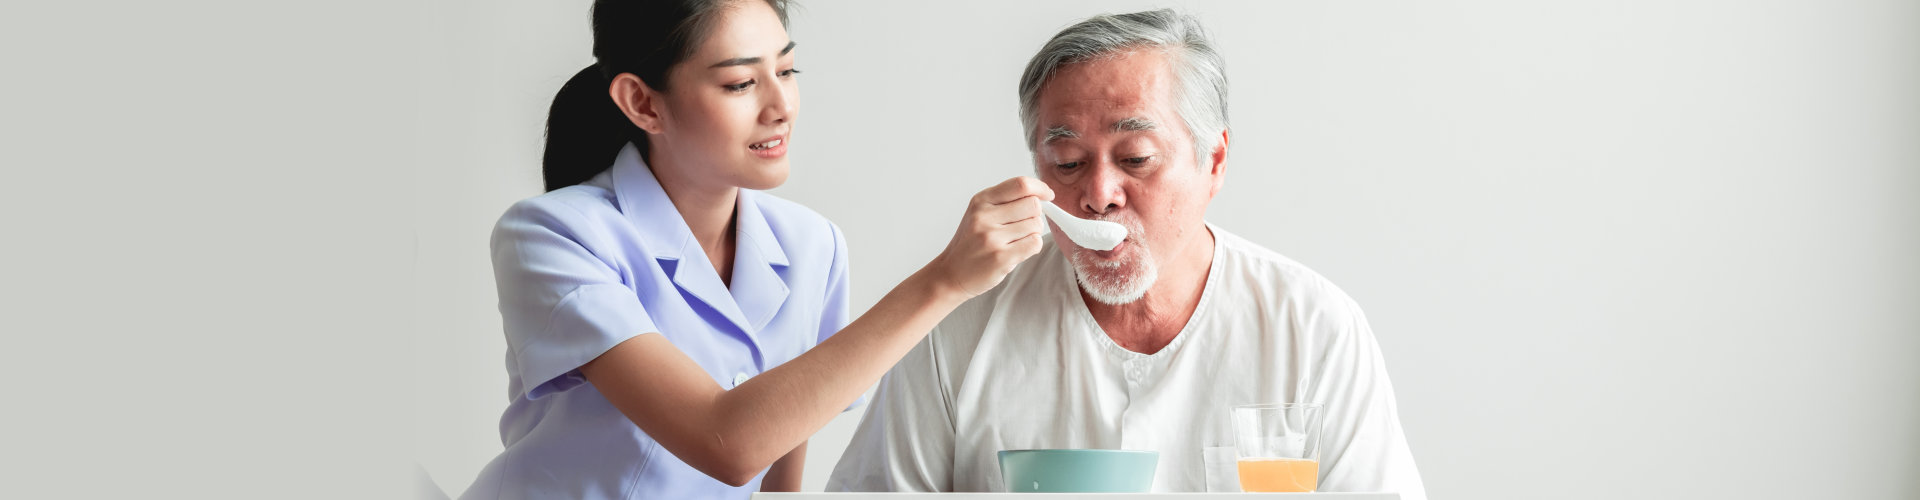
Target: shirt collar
[(757, 290), (646, 205), (641, 198), (753, 228)]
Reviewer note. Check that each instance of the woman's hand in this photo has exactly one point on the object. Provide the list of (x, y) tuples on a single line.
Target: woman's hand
[(1003, 226)]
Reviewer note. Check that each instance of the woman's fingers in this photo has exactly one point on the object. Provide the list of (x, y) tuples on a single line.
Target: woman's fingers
[(1018, 219), (1014, 189), (1001, 228), (1009, 213), (1027, 238)]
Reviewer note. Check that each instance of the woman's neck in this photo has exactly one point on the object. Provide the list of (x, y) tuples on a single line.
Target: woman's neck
[(707, 208)]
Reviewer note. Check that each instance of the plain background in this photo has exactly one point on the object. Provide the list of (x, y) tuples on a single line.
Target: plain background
[(1665, 248), (1649, 249)]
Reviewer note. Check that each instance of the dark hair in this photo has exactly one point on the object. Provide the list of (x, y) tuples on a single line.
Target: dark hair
[(585, 130)]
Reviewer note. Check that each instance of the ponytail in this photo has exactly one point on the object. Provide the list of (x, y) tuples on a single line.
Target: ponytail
[(585, 131)]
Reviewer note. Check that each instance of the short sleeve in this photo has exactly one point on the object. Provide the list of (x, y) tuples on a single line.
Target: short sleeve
[(560, 304), (1363, 446)]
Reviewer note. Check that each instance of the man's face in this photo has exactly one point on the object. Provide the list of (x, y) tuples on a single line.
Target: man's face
[(1112, 146)]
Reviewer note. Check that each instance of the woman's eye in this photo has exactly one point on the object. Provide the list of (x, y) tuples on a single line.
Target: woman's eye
[(789, 73), (1068, 165), (1137, 160), (738, 87)]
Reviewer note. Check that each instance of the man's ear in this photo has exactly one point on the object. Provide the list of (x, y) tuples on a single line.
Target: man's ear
[(1218, 167), (639, 102)]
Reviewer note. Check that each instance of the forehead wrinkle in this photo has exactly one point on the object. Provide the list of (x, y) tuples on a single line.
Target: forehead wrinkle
[(1127, 87)]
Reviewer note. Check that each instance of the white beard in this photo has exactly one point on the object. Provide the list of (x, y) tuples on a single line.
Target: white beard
[(1121, 282)]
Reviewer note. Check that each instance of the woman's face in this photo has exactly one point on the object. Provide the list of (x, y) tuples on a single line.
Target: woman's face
[(728, 115)]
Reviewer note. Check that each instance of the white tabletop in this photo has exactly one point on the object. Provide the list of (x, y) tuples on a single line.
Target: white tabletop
[(1063, 496)]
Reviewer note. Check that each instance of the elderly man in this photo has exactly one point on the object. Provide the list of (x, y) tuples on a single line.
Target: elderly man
[(1145, 346)]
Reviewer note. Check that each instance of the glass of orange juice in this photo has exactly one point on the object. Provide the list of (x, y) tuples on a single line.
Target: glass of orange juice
[(1278, 446)]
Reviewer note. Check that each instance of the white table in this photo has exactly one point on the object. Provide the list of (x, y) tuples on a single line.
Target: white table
[(1064, 496)]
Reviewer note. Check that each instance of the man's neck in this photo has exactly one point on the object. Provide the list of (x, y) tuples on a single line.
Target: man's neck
[(1150, 323)]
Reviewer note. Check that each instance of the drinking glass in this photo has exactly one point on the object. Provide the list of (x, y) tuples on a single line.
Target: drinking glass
[(1278, 446)]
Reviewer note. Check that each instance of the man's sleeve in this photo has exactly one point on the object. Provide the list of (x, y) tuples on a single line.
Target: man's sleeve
[(905, 441), (1363, 447)]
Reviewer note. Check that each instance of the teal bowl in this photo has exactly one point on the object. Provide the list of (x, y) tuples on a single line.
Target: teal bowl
[(1078, 471)]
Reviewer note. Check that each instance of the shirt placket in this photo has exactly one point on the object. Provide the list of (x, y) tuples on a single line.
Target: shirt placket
[(1135, 431)]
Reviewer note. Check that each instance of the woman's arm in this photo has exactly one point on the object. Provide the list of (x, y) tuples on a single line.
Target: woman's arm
[(733, 435), (785, 473)]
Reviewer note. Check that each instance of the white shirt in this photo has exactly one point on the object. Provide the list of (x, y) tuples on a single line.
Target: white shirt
[(1026, 366)]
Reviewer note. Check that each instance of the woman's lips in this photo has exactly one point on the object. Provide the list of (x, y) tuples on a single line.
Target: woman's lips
[(773, 147)]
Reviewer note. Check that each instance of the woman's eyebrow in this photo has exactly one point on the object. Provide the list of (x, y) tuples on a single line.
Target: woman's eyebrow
[(743, 61)]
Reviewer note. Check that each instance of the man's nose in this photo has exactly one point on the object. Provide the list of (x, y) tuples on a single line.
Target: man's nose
[(1104, 192)]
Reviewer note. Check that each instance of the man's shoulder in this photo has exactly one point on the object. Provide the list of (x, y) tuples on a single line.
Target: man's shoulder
[(1269, 288), (1275, 280), (1266, 268)]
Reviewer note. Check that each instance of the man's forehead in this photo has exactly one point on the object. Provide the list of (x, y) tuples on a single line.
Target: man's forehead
[(1105, 91), (1101, 89)]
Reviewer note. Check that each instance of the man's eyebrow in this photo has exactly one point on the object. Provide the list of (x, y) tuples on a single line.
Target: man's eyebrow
[(743, 61), (1134, 124), (1060, 132)]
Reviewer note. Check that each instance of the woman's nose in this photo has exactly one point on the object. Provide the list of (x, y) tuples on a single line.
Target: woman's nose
[(779, 106)]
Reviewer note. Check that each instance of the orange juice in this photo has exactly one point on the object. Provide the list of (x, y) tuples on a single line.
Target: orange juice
[(1279, 474)]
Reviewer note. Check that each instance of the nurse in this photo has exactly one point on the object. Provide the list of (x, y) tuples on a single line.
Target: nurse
[(673, 332)]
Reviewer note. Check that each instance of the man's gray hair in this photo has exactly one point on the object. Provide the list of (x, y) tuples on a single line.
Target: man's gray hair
[(1200, 91)]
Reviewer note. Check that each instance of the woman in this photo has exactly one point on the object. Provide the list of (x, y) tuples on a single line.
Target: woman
[(672, 332)]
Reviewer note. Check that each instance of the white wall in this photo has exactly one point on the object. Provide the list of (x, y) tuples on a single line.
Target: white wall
[(204, 248), (1668, 241)]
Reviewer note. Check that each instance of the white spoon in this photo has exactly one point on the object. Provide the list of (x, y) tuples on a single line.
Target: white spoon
[(1093, 234)]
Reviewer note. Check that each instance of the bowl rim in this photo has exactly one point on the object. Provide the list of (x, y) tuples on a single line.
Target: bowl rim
[(1081, 450)]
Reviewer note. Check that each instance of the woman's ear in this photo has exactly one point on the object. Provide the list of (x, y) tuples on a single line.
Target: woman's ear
[(638, 101)]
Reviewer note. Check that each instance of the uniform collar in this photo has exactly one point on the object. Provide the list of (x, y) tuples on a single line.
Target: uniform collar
[(757, 291)]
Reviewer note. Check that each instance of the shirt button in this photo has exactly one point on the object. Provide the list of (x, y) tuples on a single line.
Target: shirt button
[(739, 378)]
